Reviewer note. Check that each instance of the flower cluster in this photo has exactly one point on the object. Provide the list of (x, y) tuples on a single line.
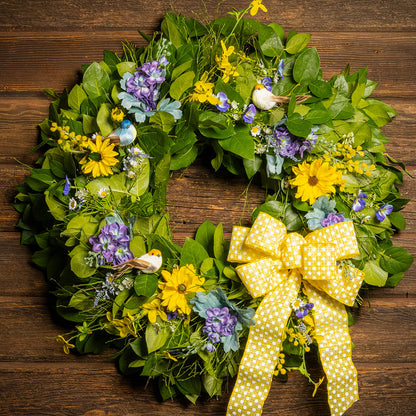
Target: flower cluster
[(141, 91), (111, 245), (68, 140), (323, 214), (219, 323), (133, 162)]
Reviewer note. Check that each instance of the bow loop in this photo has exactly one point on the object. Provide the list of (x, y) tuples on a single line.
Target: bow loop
[(292, 251)]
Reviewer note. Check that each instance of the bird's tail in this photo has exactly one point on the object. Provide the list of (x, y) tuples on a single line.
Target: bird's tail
[(278, 99)]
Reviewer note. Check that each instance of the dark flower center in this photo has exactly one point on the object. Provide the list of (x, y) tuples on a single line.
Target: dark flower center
[(181, 288), (313, 180), (95, 156)]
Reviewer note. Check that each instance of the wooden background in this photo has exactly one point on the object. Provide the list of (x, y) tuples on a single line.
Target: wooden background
[(43, 44)]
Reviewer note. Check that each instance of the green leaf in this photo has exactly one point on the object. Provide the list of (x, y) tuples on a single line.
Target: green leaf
[(183, 160), (119, 300), (180, 69), (163, 120), (395, 260), (220, 245), (96, 81), (193, 253), (76, 97), (252, 166), (241, 143), (104, 119), (56, 208), (145, 285), (318, 116), (298, 126), (397, 219), (394, 280), (181, 84), (212, 384), (321, 89), (270, 42), (78, 264), (156, 339), (374, 274), (89, 124), (297, 42), (124, 67), (81, 301), (306, 66), (205, 235)]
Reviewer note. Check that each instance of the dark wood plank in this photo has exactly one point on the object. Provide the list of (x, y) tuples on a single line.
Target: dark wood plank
[(67, 389), (55, 58), (377, 15)]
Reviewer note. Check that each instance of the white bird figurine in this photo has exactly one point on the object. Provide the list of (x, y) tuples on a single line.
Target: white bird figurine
[(123, 135), (266, 100), (148, 263)]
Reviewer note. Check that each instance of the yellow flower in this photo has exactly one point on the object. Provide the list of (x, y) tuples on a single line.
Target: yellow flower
[(315, 179), (255, 6), (153, 310), (65, 344), (100, 159), (178, 284), (224, 65), (117, 115), (124, 326), (204, 91)]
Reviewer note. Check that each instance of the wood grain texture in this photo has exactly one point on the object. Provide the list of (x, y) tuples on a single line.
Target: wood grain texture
[(43, 44)]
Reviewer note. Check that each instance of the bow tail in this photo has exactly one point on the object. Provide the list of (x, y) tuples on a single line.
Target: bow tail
[(262, 350), (331, 332)]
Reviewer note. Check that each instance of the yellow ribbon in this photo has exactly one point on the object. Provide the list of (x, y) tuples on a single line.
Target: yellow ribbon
[(275, 265)]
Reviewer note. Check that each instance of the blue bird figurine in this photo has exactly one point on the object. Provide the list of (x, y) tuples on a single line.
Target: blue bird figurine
[(123, 135)]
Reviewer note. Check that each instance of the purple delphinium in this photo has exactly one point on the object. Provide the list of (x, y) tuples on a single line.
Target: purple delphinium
[(112, 244), (383, 211), (249, 113), (332, 219), (144, 84), (359, 202), (219, 323), (223, 104)]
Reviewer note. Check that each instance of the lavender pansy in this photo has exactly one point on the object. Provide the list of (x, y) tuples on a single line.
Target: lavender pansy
[(249, 113), (223, 103)]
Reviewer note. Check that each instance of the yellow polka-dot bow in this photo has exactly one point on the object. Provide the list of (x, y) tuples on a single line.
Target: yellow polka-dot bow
[(275, 265)]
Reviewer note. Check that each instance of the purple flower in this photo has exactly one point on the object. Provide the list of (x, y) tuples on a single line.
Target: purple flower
[(219, 323), (249, 113), (210, 347), (67, 186), (112, 244), (163, 61), (303, 310), (267, 82), (223, 104), (359, 202), (382, 212), (279, 73), (332, 219)]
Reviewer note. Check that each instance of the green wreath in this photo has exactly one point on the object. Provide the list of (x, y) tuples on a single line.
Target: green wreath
[(94, 208)]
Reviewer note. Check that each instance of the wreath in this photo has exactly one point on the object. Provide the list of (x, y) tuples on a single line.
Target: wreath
[(192, 317)]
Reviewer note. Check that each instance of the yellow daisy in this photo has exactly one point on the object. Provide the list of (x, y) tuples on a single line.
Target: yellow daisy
[(178, 284), (100, 159), (315, 179)]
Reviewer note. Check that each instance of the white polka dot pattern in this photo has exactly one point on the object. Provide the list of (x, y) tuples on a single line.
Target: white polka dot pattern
[(342, 235), (292, 251), (319, 261), (262, 350), (238, 251), (331, 332), (344, 286), (266, 234), (268, 275)]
